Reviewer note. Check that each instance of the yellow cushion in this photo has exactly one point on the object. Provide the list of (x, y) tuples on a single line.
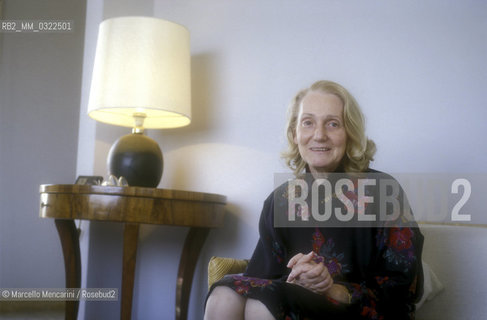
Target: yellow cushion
[(218, 267)]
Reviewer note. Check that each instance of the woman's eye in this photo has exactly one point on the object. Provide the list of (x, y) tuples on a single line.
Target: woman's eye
[(333, 124), (306, 123)]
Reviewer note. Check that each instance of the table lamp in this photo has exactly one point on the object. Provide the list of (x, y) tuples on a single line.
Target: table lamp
[(141, 79)]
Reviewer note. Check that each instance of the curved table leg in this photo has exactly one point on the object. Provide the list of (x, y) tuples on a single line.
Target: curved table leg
[(130, 241), (68, 234), (192, 246)]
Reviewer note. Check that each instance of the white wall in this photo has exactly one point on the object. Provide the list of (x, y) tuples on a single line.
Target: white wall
[(417, 68), (40, 78)]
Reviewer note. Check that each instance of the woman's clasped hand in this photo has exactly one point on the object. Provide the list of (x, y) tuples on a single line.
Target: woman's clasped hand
[(309, 271)]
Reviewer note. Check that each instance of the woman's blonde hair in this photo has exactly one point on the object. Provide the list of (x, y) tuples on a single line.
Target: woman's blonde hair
[(359, 150)]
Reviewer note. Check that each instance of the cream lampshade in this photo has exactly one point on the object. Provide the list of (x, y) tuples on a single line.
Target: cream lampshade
[(141, 79)]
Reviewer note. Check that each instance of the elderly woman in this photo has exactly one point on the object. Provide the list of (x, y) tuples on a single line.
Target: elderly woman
[(324, 272)]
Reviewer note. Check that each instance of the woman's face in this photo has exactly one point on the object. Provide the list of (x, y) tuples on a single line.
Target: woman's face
[(320, 133)]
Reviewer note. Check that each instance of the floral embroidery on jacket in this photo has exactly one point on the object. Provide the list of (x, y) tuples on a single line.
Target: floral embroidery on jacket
[(277, 252), (325, 249), (399, 246), (243, 284), (367, 298)]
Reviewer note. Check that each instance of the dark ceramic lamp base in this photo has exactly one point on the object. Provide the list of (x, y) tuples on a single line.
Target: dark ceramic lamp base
[(138, 158)]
